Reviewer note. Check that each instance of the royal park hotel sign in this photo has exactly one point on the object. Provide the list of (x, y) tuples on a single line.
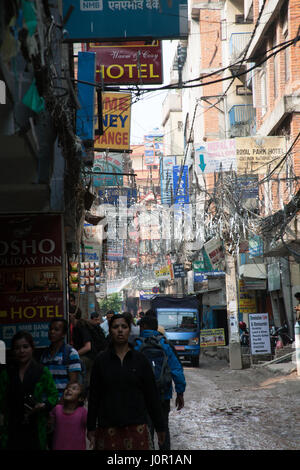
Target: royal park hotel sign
[(31, 275)]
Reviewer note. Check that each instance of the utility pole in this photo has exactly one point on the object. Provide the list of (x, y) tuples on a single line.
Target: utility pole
[(235, 353)]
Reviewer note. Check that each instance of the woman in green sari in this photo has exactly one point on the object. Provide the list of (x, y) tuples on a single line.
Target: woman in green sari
[(27, 394)]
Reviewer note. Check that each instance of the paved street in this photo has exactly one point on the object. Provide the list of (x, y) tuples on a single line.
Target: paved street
[(251, 409)]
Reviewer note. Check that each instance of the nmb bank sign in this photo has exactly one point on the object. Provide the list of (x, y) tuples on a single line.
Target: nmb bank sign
[(100, 20)]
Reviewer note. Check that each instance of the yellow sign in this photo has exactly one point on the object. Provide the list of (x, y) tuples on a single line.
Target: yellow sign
[(215, 337), (116, 115), (259, 155), (163, 273), (247, 301)]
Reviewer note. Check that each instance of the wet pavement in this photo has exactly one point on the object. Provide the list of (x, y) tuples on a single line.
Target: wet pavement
[(257, 408)]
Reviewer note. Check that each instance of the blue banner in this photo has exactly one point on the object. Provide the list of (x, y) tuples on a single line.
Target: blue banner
[(181, 184), (86, 95), (166, 178), (125, 19)]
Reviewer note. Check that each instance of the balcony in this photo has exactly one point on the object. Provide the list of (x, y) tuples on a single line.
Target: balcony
[(238, 43), (242, 120)]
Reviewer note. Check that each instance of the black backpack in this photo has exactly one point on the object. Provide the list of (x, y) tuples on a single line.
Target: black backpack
[(99, 342), (158, 359)]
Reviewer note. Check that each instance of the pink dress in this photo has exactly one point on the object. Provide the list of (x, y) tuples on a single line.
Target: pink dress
[(70, 429)]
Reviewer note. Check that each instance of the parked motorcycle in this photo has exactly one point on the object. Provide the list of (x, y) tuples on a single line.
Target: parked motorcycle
[(279, 337)]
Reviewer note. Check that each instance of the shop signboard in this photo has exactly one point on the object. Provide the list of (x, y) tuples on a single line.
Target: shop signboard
[(259, 333), (166, 178), (212, 337), (216, 156), (247, 300), (256, 246), (31, 275), (258, 155), (163, 273), (215, 253), (146, 294), (181, 184), (86, 95), (114, 20), (112, 195), (116, 115), (178, 270), (108, 163), (153, 148), (128, 63)]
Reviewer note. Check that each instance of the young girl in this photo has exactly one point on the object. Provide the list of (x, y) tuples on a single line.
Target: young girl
[(70, 420)]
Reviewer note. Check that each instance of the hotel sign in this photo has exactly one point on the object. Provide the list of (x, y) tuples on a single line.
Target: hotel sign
[(126, 63)]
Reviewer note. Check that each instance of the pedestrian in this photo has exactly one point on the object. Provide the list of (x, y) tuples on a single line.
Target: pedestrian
[(105, 324), (62, 360), (148, 327), (76, 311), (152, 313), (134, 330), (82, 342), (141, 315), (69, 420), (122, 392), (99, 342), (27, 394), (297, 308)]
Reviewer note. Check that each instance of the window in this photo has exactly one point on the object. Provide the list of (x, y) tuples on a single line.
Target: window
[(240, 19), (263, 90), (242, 90)]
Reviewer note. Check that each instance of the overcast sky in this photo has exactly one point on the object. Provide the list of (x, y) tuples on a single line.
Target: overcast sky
[(146, 114)]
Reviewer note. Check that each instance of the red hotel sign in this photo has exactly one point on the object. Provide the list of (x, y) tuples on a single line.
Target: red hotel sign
[(31, 274), (127, 63)]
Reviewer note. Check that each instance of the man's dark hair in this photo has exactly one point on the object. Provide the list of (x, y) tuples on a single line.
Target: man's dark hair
[(63, 321), (149, 323), (128, 315), (150, 313), (116, 317), (94, 315), (297, 295)]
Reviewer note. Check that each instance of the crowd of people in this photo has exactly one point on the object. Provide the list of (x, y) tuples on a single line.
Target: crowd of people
[(99, 390)]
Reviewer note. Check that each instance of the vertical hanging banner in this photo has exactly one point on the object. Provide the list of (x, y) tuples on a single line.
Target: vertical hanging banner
[(181, 184), (153, 147), (116, 115), (31, 275), (102, 20), (166, 178), (86, 95), (128, 63)]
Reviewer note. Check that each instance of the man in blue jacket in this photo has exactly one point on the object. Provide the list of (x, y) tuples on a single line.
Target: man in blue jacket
[(148, 328)]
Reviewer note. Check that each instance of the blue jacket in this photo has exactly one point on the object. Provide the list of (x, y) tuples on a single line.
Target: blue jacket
[(174, 363)]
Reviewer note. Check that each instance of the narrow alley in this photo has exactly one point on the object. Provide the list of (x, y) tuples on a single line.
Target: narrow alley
[(249, 409)]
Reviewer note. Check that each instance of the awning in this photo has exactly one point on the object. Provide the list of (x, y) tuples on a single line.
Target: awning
[(257, 271), (287, 249)]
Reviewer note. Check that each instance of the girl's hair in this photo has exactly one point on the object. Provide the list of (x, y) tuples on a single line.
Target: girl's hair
[(82, 395), (116, 317), (22, 334)]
